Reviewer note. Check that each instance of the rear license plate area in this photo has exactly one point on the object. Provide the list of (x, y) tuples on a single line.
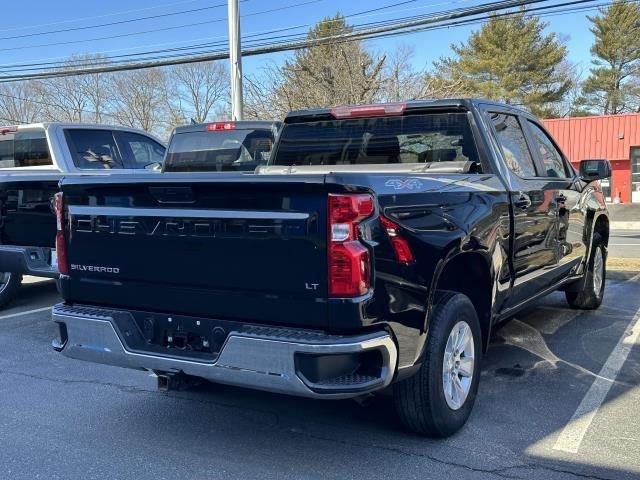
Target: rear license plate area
[(173, 335)]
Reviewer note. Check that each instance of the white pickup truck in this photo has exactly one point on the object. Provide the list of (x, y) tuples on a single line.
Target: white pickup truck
[(33, 159)]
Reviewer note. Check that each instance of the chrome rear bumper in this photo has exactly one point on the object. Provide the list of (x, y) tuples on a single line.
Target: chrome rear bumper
[(258, 357)]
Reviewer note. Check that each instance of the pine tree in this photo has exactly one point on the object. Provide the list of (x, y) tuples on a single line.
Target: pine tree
[(330, 74), (511, 59), (612, 86)]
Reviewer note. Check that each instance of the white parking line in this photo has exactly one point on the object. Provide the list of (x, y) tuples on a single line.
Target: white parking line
[(574, 432), (43, 309)]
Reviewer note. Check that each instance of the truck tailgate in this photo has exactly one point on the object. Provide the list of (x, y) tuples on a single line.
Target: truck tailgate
[(249, 250)]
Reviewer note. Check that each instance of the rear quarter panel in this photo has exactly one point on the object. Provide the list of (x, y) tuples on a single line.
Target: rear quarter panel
[(443, 216)]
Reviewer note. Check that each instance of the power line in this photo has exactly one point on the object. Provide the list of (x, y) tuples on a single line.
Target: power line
[(43, 61), (110, 59), (558, 9), (144, 32), (105, 15), (451, 14), (475, 21), (375, 32), (119, 22)]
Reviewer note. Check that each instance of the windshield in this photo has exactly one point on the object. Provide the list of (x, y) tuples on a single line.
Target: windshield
[(26, 148), (422, 138), (218, 151)]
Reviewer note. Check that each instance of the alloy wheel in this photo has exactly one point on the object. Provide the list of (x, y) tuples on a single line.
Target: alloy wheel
[(458, 365)]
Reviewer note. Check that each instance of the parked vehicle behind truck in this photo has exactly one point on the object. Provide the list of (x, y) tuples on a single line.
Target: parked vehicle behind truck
[(33, 159), (376, 252), (221, 146)]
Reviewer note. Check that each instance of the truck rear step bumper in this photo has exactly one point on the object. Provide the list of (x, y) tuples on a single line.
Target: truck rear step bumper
[(281, 360), (27, 260)]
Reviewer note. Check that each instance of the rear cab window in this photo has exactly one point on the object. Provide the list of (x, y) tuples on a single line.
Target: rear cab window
[(24, 148), (413, 138), (218, 150), (93, 149)]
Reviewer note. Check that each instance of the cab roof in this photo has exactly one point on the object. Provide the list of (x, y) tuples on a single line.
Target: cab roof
[(53, 125)]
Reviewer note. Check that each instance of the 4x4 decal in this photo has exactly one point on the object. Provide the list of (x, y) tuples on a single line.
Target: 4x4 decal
[(404, 183)]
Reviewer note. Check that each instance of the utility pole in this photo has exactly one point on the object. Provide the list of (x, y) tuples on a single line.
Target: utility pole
[(235, 57)]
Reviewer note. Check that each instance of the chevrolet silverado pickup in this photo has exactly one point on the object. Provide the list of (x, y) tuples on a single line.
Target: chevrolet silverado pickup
[(375, 253), (33, 158)]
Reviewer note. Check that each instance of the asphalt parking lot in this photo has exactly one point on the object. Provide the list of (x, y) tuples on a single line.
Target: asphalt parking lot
[(559, 398)]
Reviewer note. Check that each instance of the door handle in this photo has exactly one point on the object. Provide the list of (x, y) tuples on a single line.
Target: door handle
[(523, 201)]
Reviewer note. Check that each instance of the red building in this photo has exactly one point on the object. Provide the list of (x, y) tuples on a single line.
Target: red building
[(614, 137)]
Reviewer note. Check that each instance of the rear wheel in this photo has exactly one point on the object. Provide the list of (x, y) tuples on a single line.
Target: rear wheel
[(592, 292), (9, 286), (438, 399)]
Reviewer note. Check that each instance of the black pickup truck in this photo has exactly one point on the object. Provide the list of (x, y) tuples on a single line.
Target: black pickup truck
[(375, 253)]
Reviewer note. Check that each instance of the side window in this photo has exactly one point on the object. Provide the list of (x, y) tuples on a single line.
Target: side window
[(26, 148), (93, 149), (514, 145), (141, 151), (551, 158)]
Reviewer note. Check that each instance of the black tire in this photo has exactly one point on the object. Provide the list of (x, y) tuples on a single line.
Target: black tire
[(9, 287), (589, 296), (420, 400)]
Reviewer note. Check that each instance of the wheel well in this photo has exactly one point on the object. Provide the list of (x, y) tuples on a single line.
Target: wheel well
[(602, 227), (468, 273)]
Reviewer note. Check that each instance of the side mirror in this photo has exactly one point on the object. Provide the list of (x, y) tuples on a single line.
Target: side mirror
[(591, 170)]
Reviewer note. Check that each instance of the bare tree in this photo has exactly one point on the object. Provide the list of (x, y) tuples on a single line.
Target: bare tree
[(18, 103), (261, 101), (62, 99), (401, 81), (573, 102), (96, 88), (198, 88), (139, 98), (445, 81), (77, 98)]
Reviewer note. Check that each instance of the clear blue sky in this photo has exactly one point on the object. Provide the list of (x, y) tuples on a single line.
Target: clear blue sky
[(40, 16)]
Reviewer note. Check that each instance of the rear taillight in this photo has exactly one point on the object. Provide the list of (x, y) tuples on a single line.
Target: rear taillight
[(400, 245), (349, 262), (61, 243)]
